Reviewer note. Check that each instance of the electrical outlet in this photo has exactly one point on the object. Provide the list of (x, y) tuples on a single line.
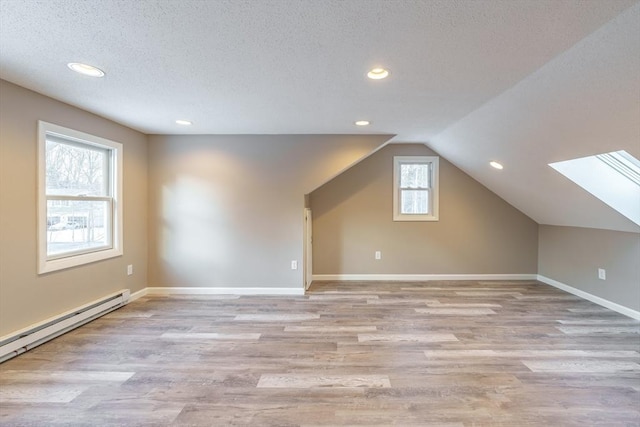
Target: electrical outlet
[(378, 255), (129, 269), (294, 265), (602, 274)]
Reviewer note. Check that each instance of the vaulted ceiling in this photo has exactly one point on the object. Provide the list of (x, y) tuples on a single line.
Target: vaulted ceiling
[(522, 81), (585, 101)]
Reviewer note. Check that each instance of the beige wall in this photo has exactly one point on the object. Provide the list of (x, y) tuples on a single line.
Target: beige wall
[(25, 296), (478, 232), (572, 256), (227, 211)]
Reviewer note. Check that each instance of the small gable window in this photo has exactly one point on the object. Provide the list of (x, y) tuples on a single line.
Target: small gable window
[(415, 188)]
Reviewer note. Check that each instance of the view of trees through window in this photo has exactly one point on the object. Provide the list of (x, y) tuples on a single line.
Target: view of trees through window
[(414, 188), (78, 196)]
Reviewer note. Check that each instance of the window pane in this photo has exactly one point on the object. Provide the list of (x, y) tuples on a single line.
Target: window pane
[(74, 170), (415, 202), (414, 175), (77, 225)]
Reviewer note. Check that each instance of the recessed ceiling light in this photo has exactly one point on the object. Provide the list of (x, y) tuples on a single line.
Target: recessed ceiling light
[(362, 123), (496, 165), (378, 73), (86, 69), (184, 122)]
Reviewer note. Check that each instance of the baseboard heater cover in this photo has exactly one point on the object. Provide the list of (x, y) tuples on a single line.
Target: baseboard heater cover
[(24, 340)]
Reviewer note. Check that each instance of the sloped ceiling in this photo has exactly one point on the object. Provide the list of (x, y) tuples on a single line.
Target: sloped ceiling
[(583, 102), (522, 81)]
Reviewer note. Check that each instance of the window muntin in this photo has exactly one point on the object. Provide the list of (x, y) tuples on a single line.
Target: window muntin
[(80, 185), (415, 195)]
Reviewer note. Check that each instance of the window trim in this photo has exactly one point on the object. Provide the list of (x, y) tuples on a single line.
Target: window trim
[(48, 264), (433, 215)]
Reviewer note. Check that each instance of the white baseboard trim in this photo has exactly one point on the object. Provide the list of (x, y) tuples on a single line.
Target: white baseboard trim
[(421, 277), (134, 296), (589, 297), (159, 291)]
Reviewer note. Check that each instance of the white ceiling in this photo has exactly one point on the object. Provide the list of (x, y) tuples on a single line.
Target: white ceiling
[(503, 79), (287, 66)]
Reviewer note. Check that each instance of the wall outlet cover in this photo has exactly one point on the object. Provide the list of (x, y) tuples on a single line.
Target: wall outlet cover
[(602, 274)]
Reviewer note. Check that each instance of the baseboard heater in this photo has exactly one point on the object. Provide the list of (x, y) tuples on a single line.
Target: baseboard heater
[(24, 340)]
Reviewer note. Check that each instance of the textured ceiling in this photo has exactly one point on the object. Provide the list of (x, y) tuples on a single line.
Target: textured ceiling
[(526, 82), (287, 66)]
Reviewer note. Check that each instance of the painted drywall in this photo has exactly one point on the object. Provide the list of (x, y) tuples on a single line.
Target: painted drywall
[(478, 232), (26, 297), (227, 211), (573, 255)]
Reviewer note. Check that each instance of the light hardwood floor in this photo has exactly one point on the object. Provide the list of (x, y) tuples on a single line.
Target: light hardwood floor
[(427, 354)]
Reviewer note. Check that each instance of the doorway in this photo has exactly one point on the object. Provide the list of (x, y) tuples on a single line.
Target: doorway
[(308, 249)]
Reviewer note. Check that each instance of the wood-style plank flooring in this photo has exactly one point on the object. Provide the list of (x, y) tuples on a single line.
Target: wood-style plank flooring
[(424, 354)]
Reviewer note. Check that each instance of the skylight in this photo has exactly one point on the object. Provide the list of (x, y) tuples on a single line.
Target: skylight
[(612, 177), (624, 163)]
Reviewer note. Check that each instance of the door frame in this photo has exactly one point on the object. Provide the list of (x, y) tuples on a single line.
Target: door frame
[(308, 248)]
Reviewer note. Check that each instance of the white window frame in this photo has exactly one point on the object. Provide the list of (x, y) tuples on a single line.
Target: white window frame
[(433, 192), (48, 264)]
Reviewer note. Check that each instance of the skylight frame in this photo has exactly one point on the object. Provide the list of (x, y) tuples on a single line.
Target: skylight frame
[(613, 177), (623, 163)]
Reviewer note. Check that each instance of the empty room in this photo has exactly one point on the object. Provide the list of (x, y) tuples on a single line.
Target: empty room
[(320, 213)]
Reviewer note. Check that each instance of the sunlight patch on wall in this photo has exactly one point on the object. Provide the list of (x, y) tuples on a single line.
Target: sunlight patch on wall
[(193, 236)]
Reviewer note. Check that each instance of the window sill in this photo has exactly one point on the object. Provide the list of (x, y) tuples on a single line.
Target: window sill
[(428, 218), (47, 266)]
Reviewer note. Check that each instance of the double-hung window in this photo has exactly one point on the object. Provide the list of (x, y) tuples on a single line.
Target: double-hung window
[(415, 188), (79, 198)]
